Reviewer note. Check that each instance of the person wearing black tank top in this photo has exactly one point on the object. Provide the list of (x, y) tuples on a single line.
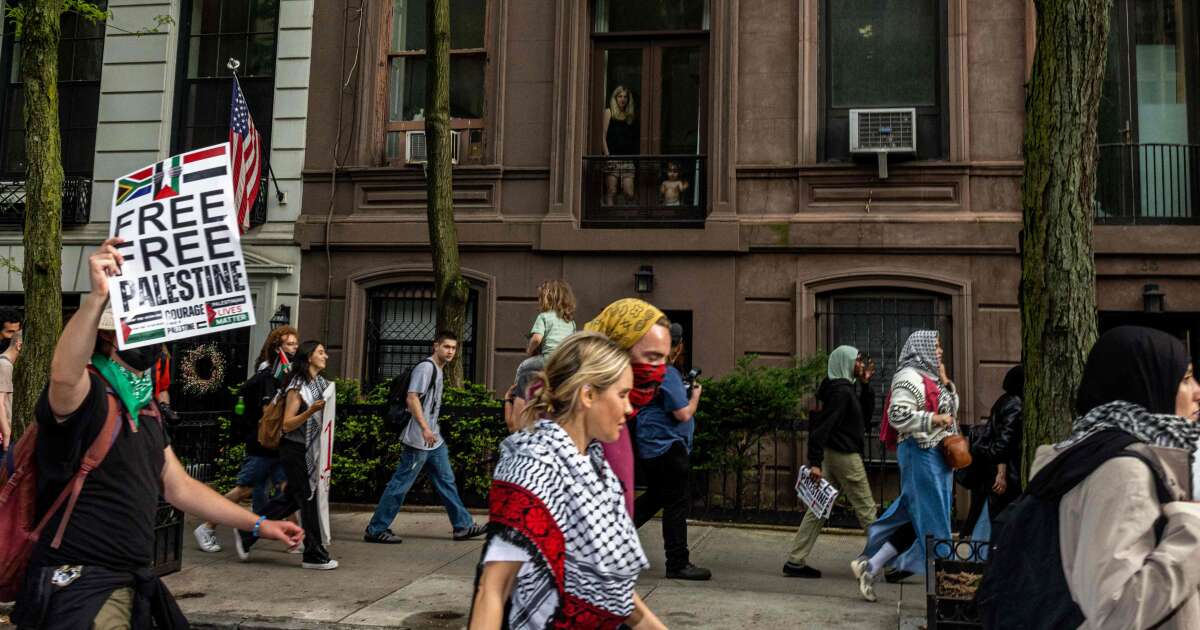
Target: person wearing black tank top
[(620, 138)]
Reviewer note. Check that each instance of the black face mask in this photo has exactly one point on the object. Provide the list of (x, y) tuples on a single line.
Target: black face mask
[(140, 359)]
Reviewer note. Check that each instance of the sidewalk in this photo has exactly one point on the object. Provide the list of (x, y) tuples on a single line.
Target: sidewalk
[(426, 582)]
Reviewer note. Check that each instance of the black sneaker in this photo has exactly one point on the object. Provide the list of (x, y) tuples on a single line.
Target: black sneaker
[(474, 531), (689, 572), (896, 576), (385, 537), (800, 571)]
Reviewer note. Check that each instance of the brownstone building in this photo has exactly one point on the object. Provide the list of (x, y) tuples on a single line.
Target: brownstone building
[(852, 172)]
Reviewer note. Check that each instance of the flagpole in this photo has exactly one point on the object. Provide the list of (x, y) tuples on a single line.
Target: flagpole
[(233, 65)]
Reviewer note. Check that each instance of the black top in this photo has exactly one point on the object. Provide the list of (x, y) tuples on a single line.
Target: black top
[(1002, 441), (841, 423), (622, 137), (113, 522), (256, 393)]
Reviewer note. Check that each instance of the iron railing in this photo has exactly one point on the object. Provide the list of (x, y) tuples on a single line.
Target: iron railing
[(1150, 183), (637, 191), (195, 440), (258, 212), (76, 200)]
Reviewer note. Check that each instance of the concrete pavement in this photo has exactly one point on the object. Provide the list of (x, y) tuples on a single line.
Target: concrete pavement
[(426, 582)]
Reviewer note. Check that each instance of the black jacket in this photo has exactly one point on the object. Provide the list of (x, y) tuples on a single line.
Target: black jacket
[(1002, 439), (841, 423)]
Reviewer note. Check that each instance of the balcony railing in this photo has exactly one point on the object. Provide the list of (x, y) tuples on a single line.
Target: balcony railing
[(1148, 184), (76, 200), (645, 191)]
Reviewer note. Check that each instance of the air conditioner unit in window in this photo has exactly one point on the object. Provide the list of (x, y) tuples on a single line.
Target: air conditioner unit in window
[(883, 131), (416, 151)]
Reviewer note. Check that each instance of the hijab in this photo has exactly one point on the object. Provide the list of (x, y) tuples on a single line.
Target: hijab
[(920, 353), (1139, 365), (1130, 381), (841, 363), (1014, 382)]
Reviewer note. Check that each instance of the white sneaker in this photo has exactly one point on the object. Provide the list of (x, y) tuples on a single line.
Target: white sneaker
[(299, 549), (320, 566), (206, 539), (242, 553), (866, 581)]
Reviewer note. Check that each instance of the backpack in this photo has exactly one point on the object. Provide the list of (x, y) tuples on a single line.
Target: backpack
[(270, 426), (398, 415), (1024, 586), (18, 498)]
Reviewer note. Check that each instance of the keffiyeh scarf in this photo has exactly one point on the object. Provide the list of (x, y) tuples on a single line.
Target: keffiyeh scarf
[(566, 510), (920, 353), (311, 392), (1151, 428)]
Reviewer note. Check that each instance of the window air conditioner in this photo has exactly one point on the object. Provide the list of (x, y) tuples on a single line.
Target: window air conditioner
[(883, 131), (416, 151)]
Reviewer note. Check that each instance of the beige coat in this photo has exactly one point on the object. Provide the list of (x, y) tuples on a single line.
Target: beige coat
[(1117, 574)]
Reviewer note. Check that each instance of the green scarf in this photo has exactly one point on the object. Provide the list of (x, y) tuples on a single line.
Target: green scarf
[(135, 391), (841, 363)]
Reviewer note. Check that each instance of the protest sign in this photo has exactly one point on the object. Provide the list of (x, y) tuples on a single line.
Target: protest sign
[(325, 462), (184, 274), (817, 496)]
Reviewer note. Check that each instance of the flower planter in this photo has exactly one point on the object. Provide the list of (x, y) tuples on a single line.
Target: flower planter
[(953, 571)]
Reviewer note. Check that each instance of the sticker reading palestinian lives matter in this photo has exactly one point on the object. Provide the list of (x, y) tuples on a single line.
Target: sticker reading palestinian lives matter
[(184, 274)]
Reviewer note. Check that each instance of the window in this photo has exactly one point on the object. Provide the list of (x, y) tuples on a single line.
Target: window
[(218, 30), (648, 96), (401, 325), (878, 323), (407, 71), (80, 58), (884, 53)]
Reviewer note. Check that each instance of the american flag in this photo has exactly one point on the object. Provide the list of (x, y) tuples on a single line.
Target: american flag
[(247, 167)]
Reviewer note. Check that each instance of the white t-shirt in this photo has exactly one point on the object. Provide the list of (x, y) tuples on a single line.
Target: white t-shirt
[(534, 615)]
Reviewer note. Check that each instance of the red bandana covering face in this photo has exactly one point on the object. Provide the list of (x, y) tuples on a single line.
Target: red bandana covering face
[(646, 380)]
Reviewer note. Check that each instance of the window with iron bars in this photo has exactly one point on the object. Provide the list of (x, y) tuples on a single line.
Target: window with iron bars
[(401, 325), (877, 323)]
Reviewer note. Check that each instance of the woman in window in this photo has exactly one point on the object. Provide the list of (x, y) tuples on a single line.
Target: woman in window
[(557, 508), (620, 139), (920, 409)]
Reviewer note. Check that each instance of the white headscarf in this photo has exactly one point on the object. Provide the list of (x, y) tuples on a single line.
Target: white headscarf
[(920, 353)]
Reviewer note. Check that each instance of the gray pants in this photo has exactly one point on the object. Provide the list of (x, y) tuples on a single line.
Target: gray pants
[(846, 472)]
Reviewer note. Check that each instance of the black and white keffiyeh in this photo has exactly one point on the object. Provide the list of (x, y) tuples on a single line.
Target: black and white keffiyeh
[(311, 392), (1151, 428), (920, 353), (567, 510)]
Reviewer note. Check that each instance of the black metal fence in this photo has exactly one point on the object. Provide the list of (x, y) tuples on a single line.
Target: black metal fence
[(401, 325), (196, 440), (76, 200), (1148, 183), (954, 570), (645, 190)]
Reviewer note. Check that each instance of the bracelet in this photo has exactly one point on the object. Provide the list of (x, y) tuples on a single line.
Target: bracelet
[(257, 525)]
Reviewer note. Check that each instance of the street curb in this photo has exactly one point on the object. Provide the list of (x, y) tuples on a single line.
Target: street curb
[(241, 622)]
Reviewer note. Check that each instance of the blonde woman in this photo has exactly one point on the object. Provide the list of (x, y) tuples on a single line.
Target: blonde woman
[(561, 549), (620, 138)]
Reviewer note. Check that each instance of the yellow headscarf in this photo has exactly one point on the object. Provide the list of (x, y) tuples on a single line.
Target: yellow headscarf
[(625, 321)]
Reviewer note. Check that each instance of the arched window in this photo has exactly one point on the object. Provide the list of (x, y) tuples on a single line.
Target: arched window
[(401, 324)]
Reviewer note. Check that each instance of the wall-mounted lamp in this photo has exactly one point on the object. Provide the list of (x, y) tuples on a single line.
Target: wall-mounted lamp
[(643, 279), (1153, 299), (282, 317)]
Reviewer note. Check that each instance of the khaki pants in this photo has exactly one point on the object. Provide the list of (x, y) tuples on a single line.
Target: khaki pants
[(117, 612), (846, 472)]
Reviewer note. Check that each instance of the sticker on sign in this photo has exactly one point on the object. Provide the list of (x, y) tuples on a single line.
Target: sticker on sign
[(183, 273)]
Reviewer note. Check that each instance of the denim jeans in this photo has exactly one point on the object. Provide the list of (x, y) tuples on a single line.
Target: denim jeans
[(255, 473), (412, 460)]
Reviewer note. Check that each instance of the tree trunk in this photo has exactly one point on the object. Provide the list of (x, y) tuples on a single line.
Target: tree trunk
[(42, 271), (450, 289), (1058, 273)]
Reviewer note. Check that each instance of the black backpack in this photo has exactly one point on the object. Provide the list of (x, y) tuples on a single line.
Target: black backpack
[(1024, 587), (398, 415)]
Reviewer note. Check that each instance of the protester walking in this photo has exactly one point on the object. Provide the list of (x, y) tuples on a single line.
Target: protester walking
[(299, 452), (994, 476), (1107, 534), (260, 465), (556, 508), (835, 446), (643, 331), (664, 438), (92, 561), (423, 446), (8, 359), (920, 411)]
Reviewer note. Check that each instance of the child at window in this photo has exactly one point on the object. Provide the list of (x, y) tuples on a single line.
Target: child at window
[(673, 187)]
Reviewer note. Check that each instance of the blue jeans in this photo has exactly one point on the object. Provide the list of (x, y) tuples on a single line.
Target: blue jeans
[(412, 460), (926, 492), (255, 473)]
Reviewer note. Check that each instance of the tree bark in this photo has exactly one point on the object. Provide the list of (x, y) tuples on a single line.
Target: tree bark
[(42, 271), (450, 289), (1058, 272)]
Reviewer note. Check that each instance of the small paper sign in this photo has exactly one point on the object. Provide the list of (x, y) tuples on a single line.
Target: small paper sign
[(817, 496)]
